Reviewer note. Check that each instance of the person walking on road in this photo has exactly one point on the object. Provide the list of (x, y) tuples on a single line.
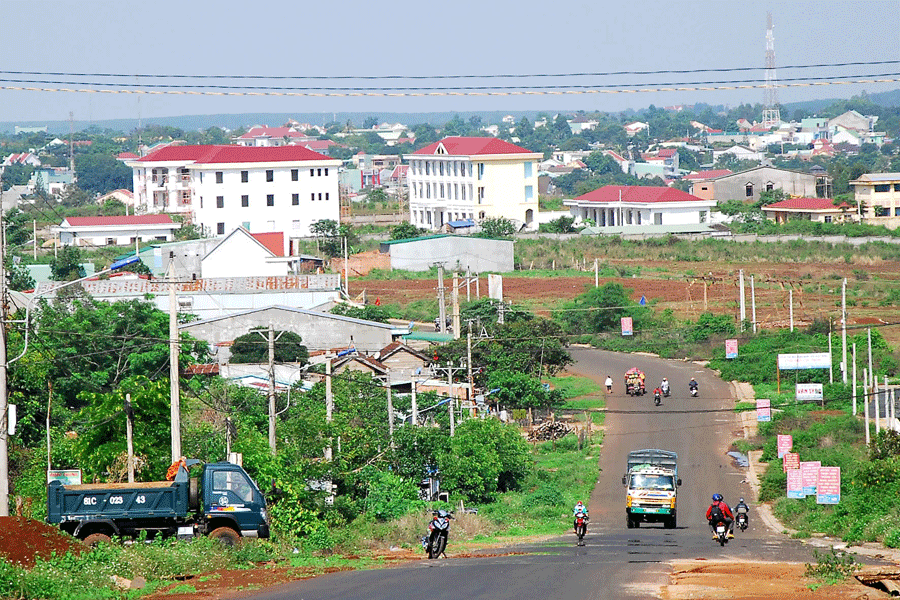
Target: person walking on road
[(609, 384)]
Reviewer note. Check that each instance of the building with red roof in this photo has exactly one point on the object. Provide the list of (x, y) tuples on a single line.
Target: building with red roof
[(115, 231), (820, 210), (263, 135), (635, 206), (220, 188), (472, 178)]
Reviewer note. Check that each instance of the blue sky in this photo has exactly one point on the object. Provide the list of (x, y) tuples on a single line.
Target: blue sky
[(352, 38)]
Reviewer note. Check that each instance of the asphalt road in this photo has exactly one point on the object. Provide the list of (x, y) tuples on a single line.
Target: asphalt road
[(615, 562)]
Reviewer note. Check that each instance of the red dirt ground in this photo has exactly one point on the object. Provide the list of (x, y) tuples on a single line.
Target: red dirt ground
[(23, 541)]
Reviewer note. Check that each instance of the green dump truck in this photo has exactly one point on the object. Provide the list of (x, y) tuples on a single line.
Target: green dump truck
[(223, 503)]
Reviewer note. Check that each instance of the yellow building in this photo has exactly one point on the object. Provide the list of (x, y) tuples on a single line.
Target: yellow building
[(878, 195)]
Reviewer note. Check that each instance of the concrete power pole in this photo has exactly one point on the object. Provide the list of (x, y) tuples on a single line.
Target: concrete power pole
[(174, 392), (743, 303), (844, 331), (442, 302), (329, 402), (4, 399), (271, 343), (454, 296)]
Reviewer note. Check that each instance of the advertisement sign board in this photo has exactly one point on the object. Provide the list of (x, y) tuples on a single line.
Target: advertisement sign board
[(810, 391), (790, 462), (785, 444), (627, 326), (763, 410), (809, 473), (731, 349), (814, 360), (65, 476), (795, 484), (828, 488)]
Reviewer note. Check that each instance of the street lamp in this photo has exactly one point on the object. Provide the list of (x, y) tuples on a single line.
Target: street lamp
[(4, 367)]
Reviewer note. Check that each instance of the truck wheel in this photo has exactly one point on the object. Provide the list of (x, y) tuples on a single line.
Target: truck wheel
[(226, 535), (670, 523), (193, 494), (96, 538), (629, 523)]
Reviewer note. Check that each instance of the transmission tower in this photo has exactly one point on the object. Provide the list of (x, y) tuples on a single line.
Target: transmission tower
[(771, 113)]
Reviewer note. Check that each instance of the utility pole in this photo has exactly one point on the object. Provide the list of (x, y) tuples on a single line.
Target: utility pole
[(271, 341), (390, 408), (854, 379), (596, 273), (743, 303), (871, 376), (346, 267), (174, 392), (442, 307), (329, 402), (452, 400), (753, 302), (844, 331), (791, 308), (454, 296), (129, 436), (415, 405), (4, 399), (469, 363)]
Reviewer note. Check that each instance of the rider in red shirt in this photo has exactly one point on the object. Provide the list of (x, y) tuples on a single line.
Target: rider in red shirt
[(719, 501)]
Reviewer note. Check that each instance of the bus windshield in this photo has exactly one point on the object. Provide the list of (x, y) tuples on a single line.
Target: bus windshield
[(652, 482)]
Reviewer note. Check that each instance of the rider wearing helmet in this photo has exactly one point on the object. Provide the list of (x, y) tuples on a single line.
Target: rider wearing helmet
[(741, 507), (719, 506), (579, 508)]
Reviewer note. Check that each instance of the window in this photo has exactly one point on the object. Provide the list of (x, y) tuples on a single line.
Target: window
[(455, 168), (326, 195), (220, 228), (428, 167), (110, 241), (428, 190), (897, 212), (270, 200), (897, 187), (828, 218), (220, 201), (528, 169), (529, 193), (312, 196), (455, 190), (320, 195), (442, 190), (748, 190), (464, 191), (219, 177), (312, 172), (770, 186), (326, 171), (318, 172), (245, 176), (462, 169), (882, 187), (295, 174), (295, 199), (480, 195), (270, 175), (480, 171), (245, 201), (703, 216), (246, 225), (881, 211), (442, 168)]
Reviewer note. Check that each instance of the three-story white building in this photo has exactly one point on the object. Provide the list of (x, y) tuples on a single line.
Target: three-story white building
[(472, 178), (220, 188)]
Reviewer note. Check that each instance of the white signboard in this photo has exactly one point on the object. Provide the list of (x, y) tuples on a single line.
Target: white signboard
[(495, 287), (810, 391), (814, 360), (65, 476)]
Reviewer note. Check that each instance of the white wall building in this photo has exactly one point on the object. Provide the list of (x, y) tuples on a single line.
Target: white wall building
[(115, 231), (636, 206), (472, 178), (221, 188)]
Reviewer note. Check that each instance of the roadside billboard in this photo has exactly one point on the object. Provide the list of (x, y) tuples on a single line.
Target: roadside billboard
[(810, 391), (813, 360), (785, 444), (790, 462), (795, 484), (763, 410), (828, 487), (627, 326), (731, 348), (809, 473), (65, 476)]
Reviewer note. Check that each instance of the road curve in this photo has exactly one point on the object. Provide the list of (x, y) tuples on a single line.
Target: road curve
[(616, 562)]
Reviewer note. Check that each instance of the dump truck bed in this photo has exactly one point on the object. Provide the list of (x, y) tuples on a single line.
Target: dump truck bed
[(155, 499), (657, 458)]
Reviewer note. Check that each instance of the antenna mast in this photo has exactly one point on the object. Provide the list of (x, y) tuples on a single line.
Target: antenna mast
[(771, 114)]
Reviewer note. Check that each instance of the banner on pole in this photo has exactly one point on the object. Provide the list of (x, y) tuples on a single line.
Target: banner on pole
[(828, 487), (627, 326), (65, 476), (790, 462), (809, 472), (810, 391), (763, 410), (785, 444), (731, 348), (795, 484), (813, 360)]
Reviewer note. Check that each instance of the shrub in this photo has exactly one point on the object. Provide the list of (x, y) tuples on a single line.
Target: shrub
[(390, 496)]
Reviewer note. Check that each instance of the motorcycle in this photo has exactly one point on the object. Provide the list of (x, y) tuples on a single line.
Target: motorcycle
[(665, 388), (695, 389), (657, 397), (435, 543), (721, 530), (742, 520), (581, 520)]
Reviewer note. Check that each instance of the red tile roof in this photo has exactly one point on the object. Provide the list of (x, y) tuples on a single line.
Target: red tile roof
[(637, 193), (274, 241), (202, 369), (233, 154), (808, 204), (123, 155), (119, 220), (712, 174), (666, 153), (470, 146)]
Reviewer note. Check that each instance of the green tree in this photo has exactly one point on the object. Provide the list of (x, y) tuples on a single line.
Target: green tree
[(18, 276), (253, 347), (66, 265), (559, 225), (16, 174), (329, 236), (520, 390), (73, 196), (405, 230), (497, 228), (100, 173), (370, 122), (601, 309), (369, 312)]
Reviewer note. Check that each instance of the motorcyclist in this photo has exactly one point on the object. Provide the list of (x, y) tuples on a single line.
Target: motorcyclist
[(657, 394), (664, 386), (579, 508), (727, 516), (741, 507), (693, 385)]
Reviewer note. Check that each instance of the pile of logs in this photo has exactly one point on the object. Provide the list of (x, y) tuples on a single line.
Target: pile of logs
[(549, 430)]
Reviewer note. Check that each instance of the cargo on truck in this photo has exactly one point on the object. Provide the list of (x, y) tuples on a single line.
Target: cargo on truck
[(223, 502), (651, 483)]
